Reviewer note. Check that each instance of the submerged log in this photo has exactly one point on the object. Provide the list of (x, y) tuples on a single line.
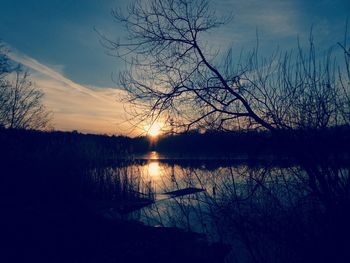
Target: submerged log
[(185, 191)]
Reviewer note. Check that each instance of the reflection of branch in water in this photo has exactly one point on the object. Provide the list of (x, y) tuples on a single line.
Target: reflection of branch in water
[(269, 212)]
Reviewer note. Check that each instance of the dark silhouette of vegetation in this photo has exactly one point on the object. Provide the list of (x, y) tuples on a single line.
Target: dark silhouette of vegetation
[(332, 141), (21, 103), (173, 75), (297, 104), (59, 190), (273, 142), (267, 213), (57, 166), (67, 183), (64, 146)]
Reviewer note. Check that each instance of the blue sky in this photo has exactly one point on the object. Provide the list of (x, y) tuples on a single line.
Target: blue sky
[(59, 36)]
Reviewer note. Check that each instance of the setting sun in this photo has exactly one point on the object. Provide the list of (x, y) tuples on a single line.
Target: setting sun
[(154, 130)]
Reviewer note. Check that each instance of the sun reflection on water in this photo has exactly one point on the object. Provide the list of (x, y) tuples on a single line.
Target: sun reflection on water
[(153, 155), (154, 169)]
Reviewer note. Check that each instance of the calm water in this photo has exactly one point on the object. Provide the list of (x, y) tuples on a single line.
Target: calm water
[(249, 204), (221, 180)]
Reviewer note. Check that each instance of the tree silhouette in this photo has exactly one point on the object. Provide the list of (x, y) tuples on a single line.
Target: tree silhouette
[(172, 72), (21, 103), (174, 75)]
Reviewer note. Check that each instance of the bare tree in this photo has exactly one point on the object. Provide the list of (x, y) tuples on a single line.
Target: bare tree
[(344, 79), (172, 73), (295, 90), (5, 67), (21, 103)]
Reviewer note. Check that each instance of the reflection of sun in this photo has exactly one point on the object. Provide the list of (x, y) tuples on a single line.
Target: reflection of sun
[(154, 169), (153, 155), (154, 130)]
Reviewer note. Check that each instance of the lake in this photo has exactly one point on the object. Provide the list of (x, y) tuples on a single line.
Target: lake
[(250, 203)]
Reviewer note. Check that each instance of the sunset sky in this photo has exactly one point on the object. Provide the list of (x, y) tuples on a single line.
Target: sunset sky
[(56, 40)]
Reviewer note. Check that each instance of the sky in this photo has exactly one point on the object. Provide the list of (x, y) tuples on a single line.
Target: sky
[(57, 41)]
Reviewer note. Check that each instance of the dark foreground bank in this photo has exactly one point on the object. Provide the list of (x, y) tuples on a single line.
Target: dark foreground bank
[(296, 211), (46, 180), (56, 235)]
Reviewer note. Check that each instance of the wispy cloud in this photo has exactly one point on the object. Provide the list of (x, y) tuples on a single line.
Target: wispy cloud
[(48, 72), (75, 106)]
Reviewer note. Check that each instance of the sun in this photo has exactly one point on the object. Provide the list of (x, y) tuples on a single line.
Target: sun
[(155, 130)]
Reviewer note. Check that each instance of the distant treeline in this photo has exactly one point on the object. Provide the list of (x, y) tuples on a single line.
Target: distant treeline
[(19, 144), (65, 146), (52, 168), (329, 141)]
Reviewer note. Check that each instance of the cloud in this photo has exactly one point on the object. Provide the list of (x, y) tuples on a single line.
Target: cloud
[(48, 72), (77, 107)]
